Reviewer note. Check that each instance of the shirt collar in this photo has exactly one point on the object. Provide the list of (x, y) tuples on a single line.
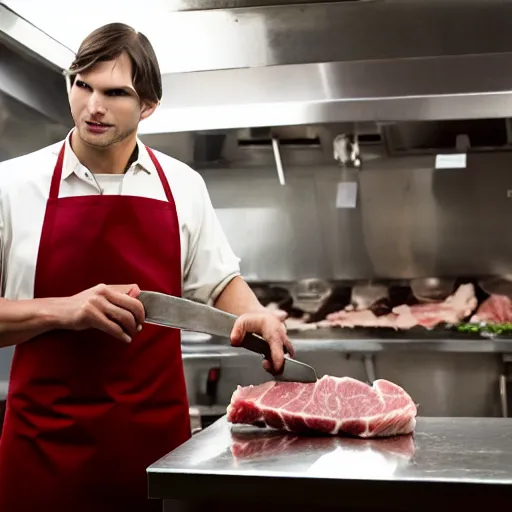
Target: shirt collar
[(72, 165)]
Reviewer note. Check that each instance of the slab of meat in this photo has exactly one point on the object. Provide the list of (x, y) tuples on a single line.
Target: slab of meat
[(363, 318), (452, 310), (495, 309), (331, 405)]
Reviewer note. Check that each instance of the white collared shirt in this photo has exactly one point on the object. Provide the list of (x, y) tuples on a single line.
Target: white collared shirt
[(208, 262)]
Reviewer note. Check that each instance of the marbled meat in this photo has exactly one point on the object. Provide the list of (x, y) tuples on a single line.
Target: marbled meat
[(331, 405), (452, 311), (495, 309)]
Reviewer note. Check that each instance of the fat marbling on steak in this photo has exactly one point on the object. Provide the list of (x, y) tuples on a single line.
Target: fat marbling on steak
[(332, 405)]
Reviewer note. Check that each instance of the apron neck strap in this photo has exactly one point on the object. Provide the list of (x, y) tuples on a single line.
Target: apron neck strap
[(57, 175), (161, 174)]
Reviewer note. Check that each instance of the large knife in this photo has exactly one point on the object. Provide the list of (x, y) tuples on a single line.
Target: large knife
[(188, 315)]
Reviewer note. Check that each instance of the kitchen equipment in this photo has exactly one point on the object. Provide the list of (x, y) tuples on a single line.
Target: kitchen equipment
[(365, 294), (195, 337), (432, 289), (497, 285), (187, 315), (310, 295)]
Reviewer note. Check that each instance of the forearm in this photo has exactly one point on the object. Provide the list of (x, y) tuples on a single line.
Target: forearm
[(22, 320), (238, 298)]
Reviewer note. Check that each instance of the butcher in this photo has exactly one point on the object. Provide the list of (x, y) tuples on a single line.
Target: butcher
[(96, 394)]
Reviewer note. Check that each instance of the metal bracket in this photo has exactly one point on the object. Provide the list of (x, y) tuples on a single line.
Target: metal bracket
[(369, 367), (503, 384), (279, 163)]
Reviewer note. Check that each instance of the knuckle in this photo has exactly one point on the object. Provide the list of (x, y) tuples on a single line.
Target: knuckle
[(124, 317), (93, 302), (116, 315), (101, 288)]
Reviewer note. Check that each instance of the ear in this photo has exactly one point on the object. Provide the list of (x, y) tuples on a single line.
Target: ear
[(147, 109)]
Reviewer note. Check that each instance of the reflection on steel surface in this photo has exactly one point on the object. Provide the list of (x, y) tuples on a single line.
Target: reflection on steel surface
[(453, 459), (329, 456), (441, 449)]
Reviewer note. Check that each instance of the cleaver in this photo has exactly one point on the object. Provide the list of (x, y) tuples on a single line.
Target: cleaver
[(188, 315)]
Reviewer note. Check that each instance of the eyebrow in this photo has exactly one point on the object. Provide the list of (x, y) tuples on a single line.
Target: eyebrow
[(126, 88)]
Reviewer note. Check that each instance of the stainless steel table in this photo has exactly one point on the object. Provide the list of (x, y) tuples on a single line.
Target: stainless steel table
[(447, 462)]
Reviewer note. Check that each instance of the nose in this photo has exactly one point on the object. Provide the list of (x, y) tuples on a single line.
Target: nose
[(95, 105)]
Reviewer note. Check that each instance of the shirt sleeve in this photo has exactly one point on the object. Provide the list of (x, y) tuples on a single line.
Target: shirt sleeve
[(210, 264)]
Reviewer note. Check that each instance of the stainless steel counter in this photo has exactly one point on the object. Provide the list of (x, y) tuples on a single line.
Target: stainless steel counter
[(348, 340), (447, 461)]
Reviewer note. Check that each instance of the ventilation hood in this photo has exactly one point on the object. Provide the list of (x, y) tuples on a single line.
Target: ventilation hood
[(34, 110), (260, 65), (336, 62)]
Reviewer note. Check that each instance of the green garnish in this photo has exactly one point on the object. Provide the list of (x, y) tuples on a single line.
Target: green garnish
[(484, 328)]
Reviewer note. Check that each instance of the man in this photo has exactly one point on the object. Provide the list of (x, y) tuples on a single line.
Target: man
[(96, 395)]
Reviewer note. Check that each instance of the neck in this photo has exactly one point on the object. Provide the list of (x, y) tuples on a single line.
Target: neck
[(108, 160)]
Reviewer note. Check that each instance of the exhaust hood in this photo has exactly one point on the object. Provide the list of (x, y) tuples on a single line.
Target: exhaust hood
[(34, 109), (260, 65)]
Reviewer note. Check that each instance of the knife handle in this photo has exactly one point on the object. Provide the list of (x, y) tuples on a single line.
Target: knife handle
[(257, 344)]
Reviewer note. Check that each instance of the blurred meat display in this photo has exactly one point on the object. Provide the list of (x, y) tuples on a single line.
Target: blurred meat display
[(497, 308)]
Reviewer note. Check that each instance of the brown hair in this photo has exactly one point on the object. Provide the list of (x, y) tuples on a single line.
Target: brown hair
[(108, 43)]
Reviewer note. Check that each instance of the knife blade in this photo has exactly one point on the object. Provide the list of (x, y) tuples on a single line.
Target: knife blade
[(187, 315)]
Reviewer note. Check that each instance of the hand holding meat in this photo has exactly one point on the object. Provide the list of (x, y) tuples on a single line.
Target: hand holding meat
[(112, 309), (272, 329)]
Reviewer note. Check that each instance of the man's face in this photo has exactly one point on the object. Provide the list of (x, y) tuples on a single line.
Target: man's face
[(104, 105)]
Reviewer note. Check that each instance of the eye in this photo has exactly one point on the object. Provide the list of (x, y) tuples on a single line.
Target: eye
[(81, 84), (116, 92)]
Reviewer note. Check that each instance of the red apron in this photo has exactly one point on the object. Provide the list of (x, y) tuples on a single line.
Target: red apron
[(87, 413)]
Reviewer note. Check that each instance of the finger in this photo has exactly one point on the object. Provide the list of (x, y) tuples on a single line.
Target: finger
[(238, 332), (134, 306), (267, 365), (102, 323), (289, 347), (127, 289), (121, 316), (134, 291), (272, 335), (280, 314), (276, 350)]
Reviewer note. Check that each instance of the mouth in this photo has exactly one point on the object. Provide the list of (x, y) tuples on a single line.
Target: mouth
[(96, 127), (94, 123)]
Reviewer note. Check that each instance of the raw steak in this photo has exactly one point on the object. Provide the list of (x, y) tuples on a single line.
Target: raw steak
[(362, 318), (331, 405), (495, 309), (452, 310)]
